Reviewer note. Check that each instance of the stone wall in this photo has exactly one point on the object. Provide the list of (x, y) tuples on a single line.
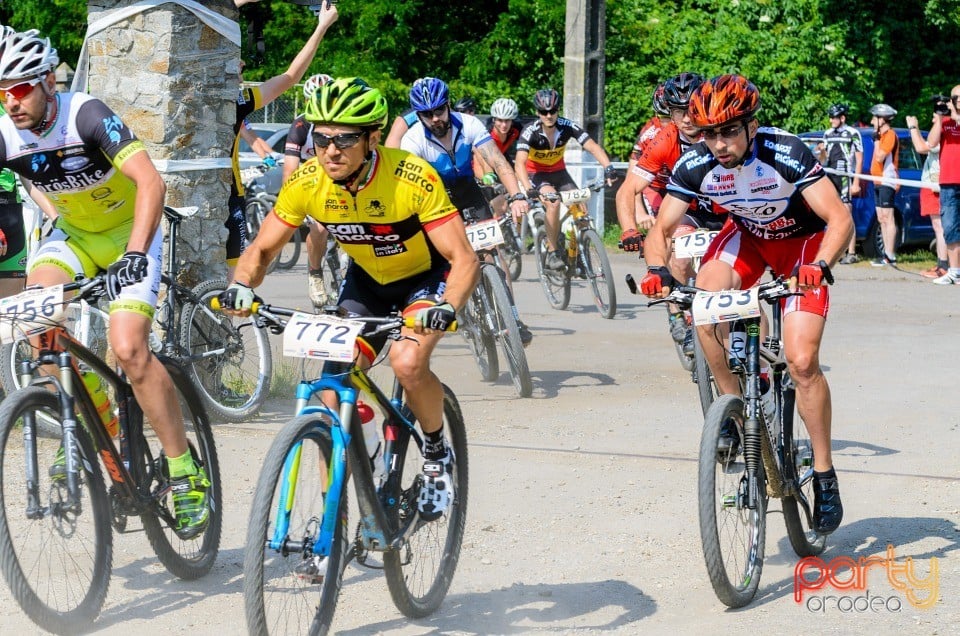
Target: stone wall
[(174, 81)]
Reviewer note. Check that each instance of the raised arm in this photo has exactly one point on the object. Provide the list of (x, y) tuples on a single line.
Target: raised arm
[(277, 85)]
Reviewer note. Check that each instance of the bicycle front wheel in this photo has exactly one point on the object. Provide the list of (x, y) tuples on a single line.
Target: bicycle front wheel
[(228, 358), (706, 387), (732, 534), (556, 283), (420, 572), (472, 321), (284, 590), (512, 250), (597, 269), (507, 328), (187, 559), (797, 511), (290, 253), (56, 559), (256, 210)]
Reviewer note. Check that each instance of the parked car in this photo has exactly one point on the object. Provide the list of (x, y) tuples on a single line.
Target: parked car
[(276, 136), (912, 229)]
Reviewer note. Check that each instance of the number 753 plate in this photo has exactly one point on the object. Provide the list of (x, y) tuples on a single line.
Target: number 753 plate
[(709, 308), (320, 336)]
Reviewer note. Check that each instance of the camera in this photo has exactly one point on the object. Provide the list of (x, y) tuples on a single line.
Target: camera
[(940, 104)]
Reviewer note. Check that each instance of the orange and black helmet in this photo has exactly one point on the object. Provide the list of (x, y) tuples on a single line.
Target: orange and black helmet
[(723, 99)]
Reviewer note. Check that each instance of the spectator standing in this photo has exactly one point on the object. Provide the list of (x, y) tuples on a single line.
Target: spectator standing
[(842, 150), (945, 134), (930, 197), (886, 157)]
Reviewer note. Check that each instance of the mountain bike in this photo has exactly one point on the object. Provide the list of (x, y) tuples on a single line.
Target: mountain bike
[(488, 318), (511, 250), (227, 359), (771, 456), (582, 251), (693, 246), (56, 542), (298, 541)]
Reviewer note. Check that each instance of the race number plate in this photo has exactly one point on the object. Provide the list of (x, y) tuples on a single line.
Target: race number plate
[(725, 306), (325, 337), (693, 245), (570, 197), (485, 234), (31, 312)]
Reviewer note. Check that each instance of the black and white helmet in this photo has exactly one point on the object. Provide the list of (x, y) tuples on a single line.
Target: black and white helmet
[(504, 108), (883, 110), (26, 54)]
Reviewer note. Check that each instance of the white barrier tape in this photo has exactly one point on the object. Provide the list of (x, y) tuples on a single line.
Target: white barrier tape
[(187, 165), (884, 180)]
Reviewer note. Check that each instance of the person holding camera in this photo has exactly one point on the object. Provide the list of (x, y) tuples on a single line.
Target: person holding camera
[(886, 158), (842, 150), (930, 195), (945, 134)]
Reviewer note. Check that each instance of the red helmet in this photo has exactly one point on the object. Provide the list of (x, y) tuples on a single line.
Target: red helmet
[(723, 99)]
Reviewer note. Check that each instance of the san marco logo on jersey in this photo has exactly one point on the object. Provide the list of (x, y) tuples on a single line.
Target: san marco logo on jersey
[(414, 173)]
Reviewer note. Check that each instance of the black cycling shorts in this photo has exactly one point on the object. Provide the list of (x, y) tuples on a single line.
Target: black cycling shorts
[(560, 180)]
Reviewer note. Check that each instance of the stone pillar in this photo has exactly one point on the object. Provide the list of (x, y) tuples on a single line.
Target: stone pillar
[(173, 80)]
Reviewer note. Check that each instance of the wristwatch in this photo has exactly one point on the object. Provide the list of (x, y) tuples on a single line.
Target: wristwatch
[(519, 196)]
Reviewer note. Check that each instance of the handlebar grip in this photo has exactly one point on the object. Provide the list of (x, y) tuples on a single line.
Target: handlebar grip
[(631, 284), (215, 305), (410, 322)]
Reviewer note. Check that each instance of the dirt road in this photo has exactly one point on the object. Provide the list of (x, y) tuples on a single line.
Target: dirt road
[(582, 511)]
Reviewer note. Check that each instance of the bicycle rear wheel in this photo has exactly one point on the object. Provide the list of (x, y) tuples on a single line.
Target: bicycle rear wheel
[(255, 210), (706, 387), (278, 599), (290, 253), (596, 265), (507, 328), (799, 468), (472, 321), (420, 572), (556, 283), (732, 535), (56, 562), (230, 360), (187, 559)]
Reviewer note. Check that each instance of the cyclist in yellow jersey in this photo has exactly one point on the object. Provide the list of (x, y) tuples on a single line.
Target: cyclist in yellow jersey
[(389, 211), (109, 197)]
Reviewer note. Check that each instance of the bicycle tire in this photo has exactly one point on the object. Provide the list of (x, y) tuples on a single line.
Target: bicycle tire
[(706, 386), (799, 468), (255, 210), (734, 571), (512, 250), (415, 592), (556, 284), (269, 578), (11, 356), (233, 385), (508, 329), (290, 253), (596, 265), (60, 559), (471, 325), (187, 559)]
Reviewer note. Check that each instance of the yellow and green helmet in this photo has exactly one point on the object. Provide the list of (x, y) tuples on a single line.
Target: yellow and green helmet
[(348, 101)]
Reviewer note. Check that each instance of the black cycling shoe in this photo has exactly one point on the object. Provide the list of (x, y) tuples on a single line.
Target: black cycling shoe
[(688, 343), (526, 337), (728, 443), (827, 507)]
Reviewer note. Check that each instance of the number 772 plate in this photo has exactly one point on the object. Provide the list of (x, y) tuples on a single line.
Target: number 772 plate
[(320, 336)]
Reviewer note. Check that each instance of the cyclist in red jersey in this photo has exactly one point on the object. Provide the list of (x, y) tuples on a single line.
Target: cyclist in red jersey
[(783, 214), (652, 126)]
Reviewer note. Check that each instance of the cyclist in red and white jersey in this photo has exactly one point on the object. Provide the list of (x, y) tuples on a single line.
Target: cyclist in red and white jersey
[(539, 162), (652, 126), (783, 214)]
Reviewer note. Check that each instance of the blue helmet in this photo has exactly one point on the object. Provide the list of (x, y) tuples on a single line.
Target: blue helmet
[(428, 93)]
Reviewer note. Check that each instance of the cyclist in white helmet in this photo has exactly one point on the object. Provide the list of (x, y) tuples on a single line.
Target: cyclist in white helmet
[(73, 148), (299, 148)]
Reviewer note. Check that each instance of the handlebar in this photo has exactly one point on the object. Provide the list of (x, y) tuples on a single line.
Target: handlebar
[(683, 295)]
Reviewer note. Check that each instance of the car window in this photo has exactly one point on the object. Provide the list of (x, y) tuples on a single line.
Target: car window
[(278, 145), (908, 156)]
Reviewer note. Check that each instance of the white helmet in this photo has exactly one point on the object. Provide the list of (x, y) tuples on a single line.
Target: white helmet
[(504, 108), (883, 110), (26, 55), (314, 82)]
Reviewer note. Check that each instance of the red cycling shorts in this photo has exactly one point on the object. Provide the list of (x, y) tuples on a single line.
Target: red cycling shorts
[(750, 256)]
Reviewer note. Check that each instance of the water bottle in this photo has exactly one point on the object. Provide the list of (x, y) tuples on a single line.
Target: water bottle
[(767, 398), (102, 401), (372, 439), (738, 344)]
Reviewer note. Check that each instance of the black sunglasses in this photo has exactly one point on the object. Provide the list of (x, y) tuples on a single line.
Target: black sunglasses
[(433, 114), (552, 111), (955, 98), (341, 141), (727, 132)]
